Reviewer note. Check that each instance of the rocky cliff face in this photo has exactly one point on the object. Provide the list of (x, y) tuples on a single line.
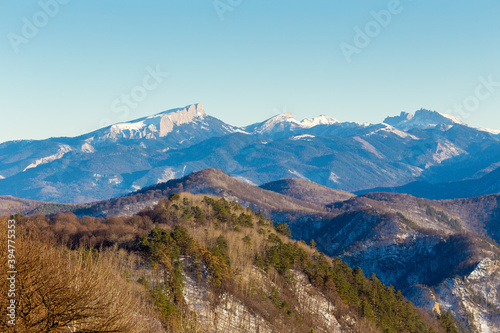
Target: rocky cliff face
[(473, 298), (154, 127), (412, 247)]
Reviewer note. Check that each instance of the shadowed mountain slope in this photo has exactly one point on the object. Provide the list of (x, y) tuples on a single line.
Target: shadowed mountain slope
[(487, 184), (306, 190), (208, 181), (11, 206)]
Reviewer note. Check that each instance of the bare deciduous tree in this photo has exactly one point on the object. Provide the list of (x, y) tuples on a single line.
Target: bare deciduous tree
[(70, 291)]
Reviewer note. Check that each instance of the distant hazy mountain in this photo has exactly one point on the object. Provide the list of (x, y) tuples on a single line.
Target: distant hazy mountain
[(487, 184), (423, 119), (125, 157)]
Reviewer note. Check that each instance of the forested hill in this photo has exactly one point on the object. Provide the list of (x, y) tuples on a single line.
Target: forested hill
[(197, 264)]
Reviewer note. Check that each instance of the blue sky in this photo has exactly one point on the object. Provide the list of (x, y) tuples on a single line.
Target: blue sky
[(245, 60)]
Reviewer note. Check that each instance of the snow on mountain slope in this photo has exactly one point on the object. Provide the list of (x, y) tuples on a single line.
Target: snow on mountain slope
[(156, 126), (276, 123), (343, 155), (62, 151), (475, 297), (286, 122), (88, 148), (316, 121), (393, 130), (303, 137), (423, 119), (491, 131), (446, 150)]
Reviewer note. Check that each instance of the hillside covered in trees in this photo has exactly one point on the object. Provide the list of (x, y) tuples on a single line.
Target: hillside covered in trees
[(193, 263)]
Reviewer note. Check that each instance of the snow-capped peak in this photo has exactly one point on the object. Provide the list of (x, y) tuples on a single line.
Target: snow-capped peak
[(158, 125), (454, 119), (320, 120), (193, 110), (287, 121), (278, 122), (283, 117), (422, 119)]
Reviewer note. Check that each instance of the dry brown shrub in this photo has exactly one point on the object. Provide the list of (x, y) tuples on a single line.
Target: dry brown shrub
[(70, 291)]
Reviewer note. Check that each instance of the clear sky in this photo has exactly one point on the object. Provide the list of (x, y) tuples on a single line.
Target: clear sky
[(69, 67)]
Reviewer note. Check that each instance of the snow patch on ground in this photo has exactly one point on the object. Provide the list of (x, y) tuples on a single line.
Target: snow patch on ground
[(63, 149), (305, 137), (114, 180), (245, 180), (231, 129), (415, 171), (393, 130), (168, 174), (88, 148), (333, 177), (472, 298), (127, 127), (446, 150), (298, 174), (454, 119)]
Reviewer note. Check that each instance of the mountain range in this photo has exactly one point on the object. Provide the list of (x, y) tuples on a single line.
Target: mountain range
[(361, 191), (486, 184), (443, 255), (426, 147)]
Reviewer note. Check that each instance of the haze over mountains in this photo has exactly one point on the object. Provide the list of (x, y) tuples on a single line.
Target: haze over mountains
[(487, 184), (427, 147)]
